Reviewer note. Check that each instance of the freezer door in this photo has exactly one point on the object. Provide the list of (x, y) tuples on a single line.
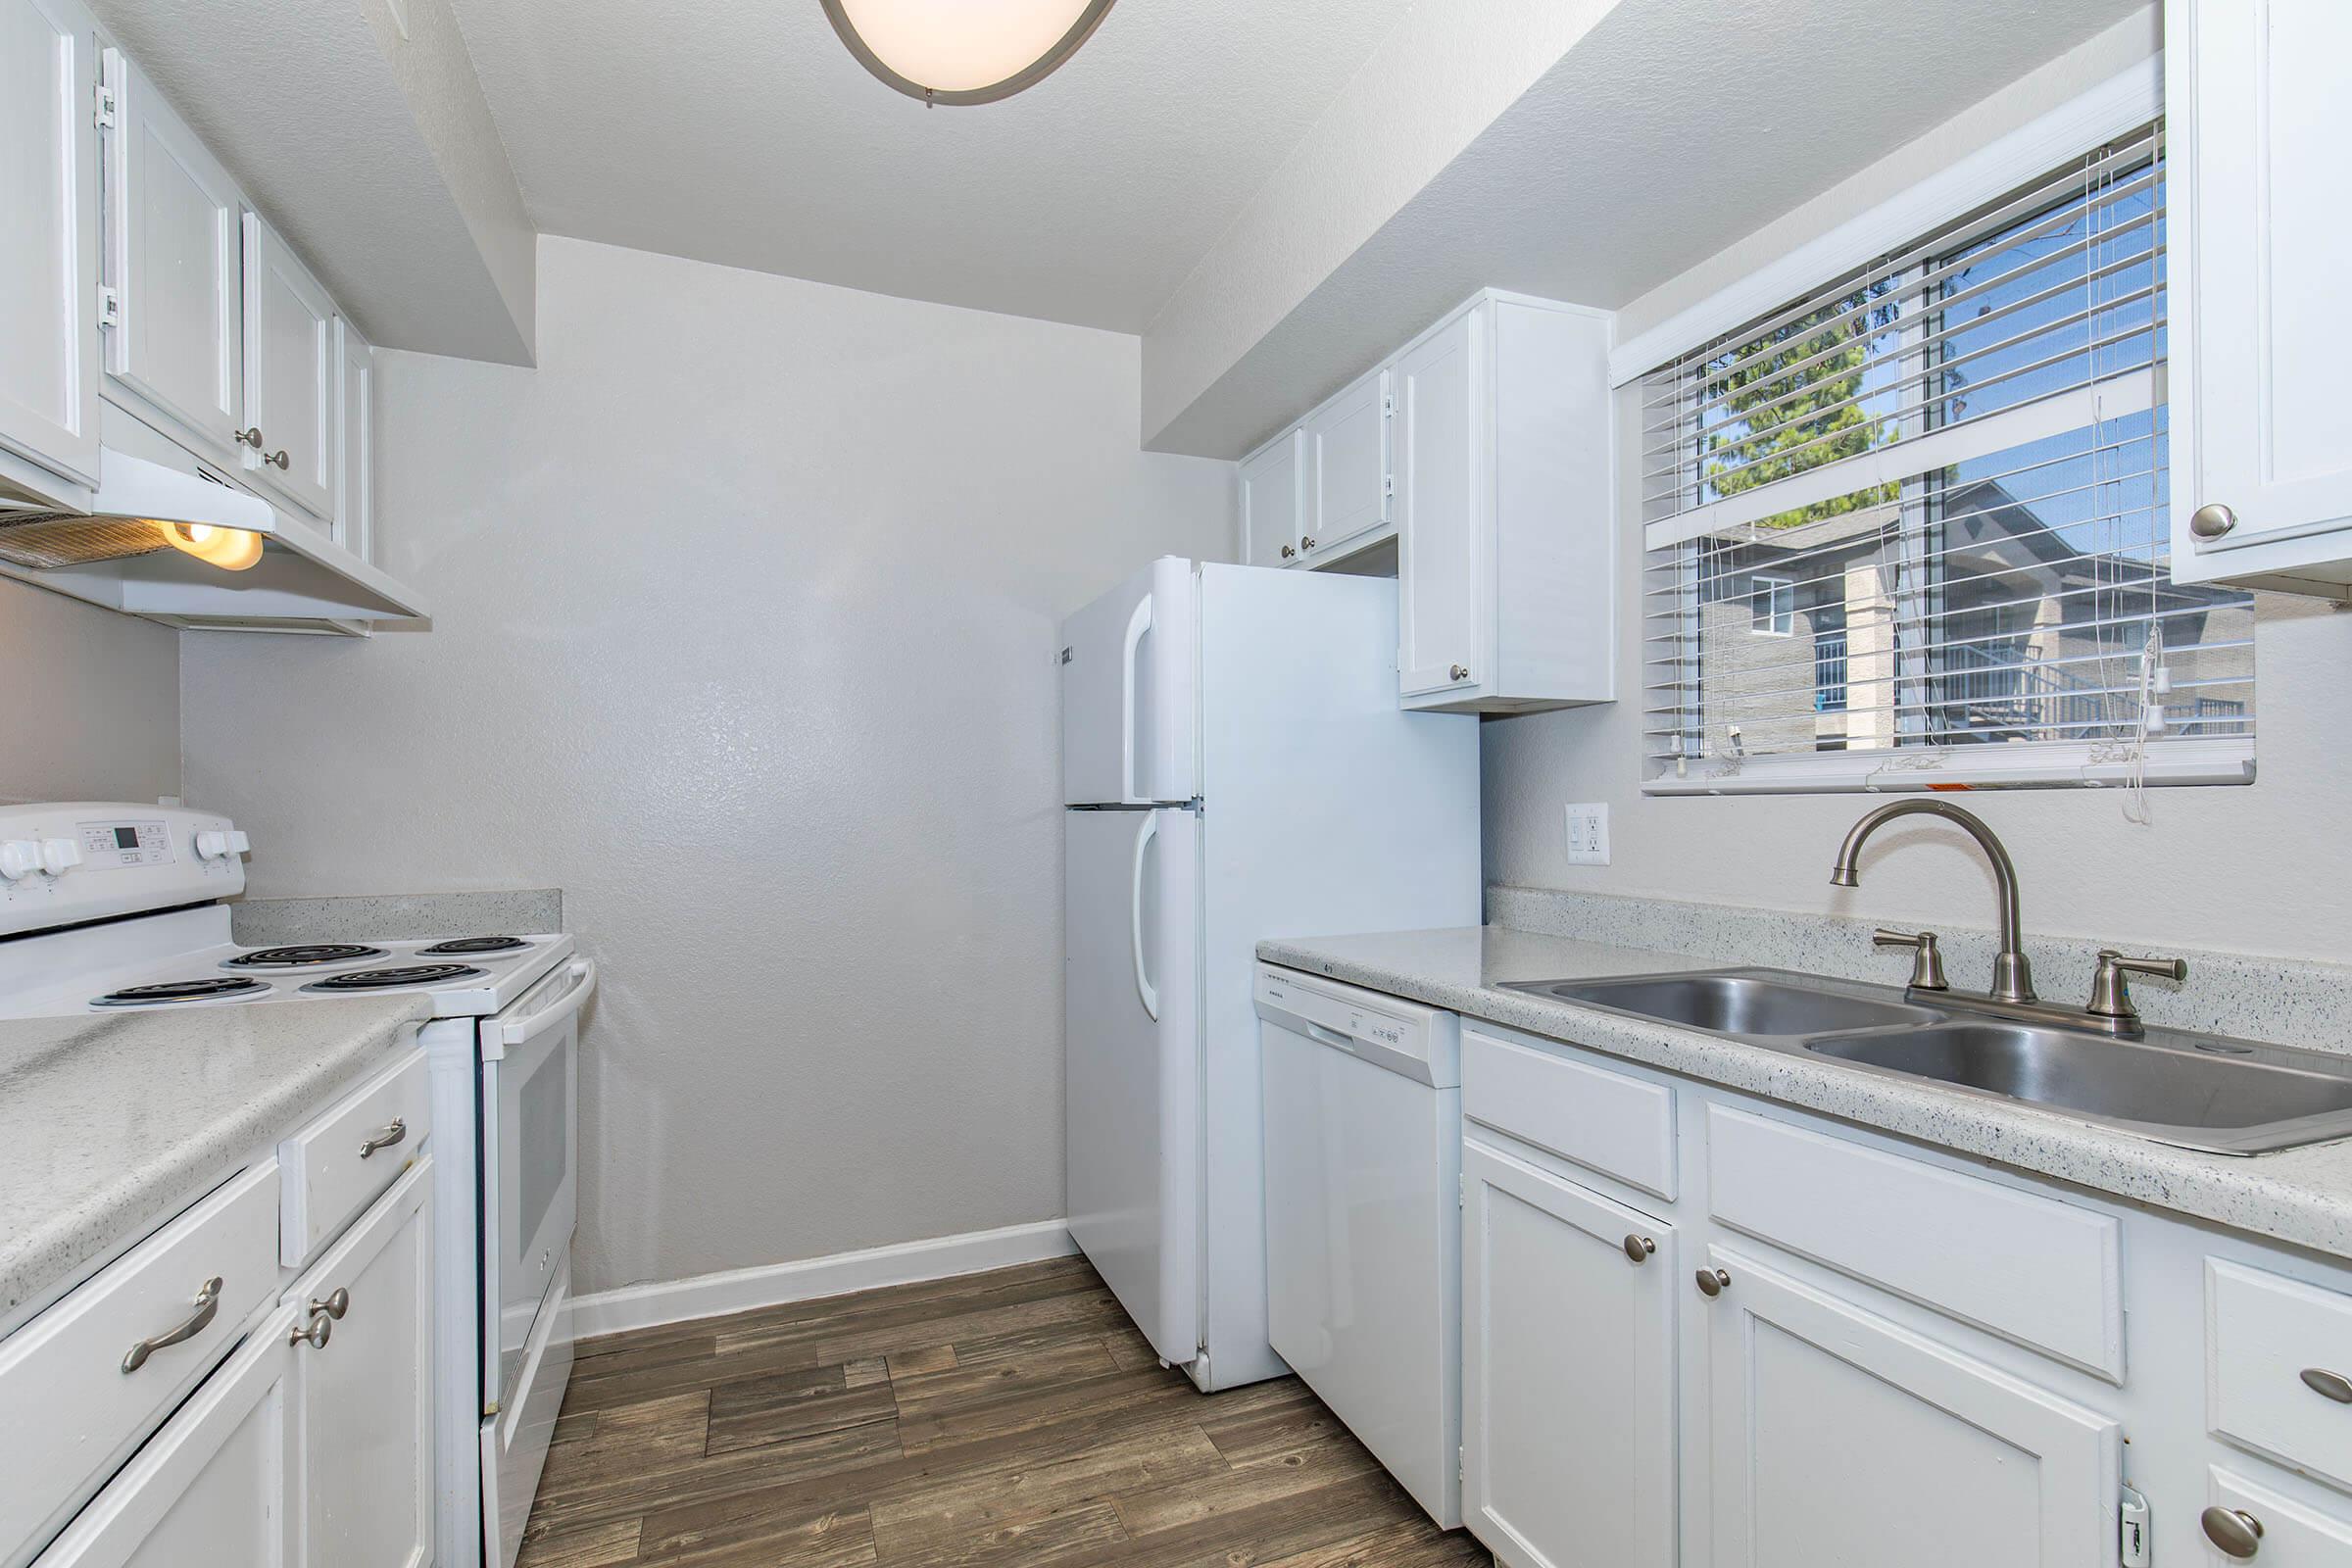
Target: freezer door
[(1132, 1100), (1129, 664)]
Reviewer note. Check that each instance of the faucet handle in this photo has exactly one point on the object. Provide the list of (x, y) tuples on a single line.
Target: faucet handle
[(1926, 970), (2111, 994)]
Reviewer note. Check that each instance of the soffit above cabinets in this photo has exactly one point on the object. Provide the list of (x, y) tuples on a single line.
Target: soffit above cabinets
[(364, 137), (1610, 147)]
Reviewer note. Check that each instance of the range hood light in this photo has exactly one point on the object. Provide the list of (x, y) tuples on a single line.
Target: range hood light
[(229, 549), (964, 51)]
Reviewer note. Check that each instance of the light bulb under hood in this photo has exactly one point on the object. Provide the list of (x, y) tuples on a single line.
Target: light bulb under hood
[(229, 549)]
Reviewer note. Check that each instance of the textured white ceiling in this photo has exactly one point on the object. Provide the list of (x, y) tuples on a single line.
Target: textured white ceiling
[(741, 131)]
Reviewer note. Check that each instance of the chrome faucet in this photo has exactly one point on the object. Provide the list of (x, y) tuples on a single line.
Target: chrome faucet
[(2012, 971)]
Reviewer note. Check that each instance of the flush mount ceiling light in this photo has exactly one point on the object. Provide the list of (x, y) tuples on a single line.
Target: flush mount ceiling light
[(964, 51)]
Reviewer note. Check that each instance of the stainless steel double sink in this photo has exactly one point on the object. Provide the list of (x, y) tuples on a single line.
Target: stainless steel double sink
[(2202, 1092)]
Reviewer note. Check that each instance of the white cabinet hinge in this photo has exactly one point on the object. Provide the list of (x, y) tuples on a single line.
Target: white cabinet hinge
[(1388, 484), (2132, 1547), (1387, 405), (1461, 1465), (110, 307), (106, 105)]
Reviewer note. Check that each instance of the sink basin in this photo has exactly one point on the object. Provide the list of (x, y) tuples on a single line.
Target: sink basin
[(2226, 1096), (1759, 1004), (2203, 1092)]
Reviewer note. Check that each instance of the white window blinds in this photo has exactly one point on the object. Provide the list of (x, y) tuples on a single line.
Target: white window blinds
[(1911, 531)]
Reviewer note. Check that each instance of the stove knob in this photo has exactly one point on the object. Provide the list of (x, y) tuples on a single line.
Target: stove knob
[(20, 859), (59, 855), (211, 845)]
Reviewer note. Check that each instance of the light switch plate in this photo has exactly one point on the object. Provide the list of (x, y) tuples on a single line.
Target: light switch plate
[(1588, 833)]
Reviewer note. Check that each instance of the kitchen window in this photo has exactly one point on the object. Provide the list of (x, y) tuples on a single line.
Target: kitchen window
[(1911, 531)]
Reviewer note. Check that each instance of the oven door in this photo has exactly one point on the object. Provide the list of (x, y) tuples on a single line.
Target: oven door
[(530, 1165)]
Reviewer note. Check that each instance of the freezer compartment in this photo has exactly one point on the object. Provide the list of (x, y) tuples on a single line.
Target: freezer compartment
[(1130, 665)]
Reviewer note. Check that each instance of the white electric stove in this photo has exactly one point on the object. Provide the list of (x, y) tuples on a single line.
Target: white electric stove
[(109, 908)]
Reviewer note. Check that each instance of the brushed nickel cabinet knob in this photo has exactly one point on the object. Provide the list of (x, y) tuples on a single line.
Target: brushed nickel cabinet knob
[(1459, 673), (1713, 1282), (2212, 521), (1641, 1249), (2234, 1531)]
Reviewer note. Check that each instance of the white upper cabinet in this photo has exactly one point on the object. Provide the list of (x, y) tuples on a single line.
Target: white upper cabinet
[(1482, 450), (355, 425), (290, 376), (1347, 453), (1272, 502), (1441, 635), (2259, 229), (173, 274), (48, 241)]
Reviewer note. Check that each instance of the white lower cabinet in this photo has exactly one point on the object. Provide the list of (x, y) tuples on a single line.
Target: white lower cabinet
[(364, 1409), (1835, 1436), (1568, 1386), (312, 1446), (215, 1485)]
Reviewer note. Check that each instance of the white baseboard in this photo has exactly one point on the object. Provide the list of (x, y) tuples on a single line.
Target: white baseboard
[(745, 1290)]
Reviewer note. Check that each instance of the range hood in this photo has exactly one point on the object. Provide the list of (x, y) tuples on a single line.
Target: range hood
[(119, 554)]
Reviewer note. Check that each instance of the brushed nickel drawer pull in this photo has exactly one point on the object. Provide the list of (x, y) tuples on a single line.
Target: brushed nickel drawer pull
[(2328, 1385), (393, 1134), (208, 1305)]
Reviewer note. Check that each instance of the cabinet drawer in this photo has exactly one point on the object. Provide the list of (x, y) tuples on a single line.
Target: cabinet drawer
[(2277, 1362), (74, 1410), (2292, 1534), (2026, 1268), (1606, 1121), (353, 1150)]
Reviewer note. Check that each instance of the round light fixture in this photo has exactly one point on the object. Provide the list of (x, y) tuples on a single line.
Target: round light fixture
[(964, 51), (229, 549)]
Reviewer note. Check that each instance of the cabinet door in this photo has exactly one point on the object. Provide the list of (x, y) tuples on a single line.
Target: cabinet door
[(49, 239), (365, 1408), (289, 373), (2292, 1536), (1568, 1396), (355, 428), (1271, 501), (175, 340), (212, 1486), (1840, 1438), (1347, 465), (1440, 564), (2259, 229)]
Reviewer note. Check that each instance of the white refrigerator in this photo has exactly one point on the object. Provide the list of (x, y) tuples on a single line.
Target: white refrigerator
[(1235, 766)]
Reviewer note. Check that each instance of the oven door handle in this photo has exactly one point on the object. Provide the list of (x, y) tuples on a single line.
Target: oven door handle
[(522, 1031)]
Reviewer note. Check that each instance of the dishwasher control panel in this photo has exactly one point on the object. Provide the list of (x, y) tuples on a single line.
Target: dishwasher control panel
[(1421, 1042)]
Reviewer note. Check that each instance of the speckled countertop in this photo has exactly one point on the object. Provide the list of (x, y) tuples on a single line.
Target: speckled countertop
[(111, 1123), (2302, 1196)]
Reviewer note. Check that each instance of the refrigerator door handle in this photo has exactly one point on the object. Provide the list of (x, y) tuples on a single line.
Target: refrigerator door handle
[(1138, 624), (1144, 991)]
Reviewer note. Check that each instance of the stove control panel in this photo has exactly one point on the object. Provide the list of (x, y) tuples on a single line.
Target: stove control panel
[(76, 860)]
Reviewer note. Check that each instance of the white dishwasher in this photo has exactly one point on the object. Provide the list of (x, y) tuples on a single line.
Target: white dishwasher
[(1363, 1221)]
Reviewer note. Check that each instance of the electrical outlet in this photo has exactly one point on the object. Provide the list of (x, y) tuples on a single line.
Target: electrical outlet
[(1588, 833)]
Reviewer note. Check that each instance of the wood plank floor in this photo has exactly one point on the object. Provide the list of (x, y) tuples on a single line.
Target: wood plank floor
[(1006, 1418)]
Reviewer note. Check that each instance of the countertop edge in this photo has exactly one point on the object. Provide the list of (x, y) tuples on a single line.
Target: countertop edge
[(47, 1261), (2263, 1195)]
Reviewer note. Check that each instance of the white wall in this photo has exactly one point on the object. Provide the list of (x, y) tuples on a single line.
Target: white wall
[(89, 701), (745, 610), (2262, 868)]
